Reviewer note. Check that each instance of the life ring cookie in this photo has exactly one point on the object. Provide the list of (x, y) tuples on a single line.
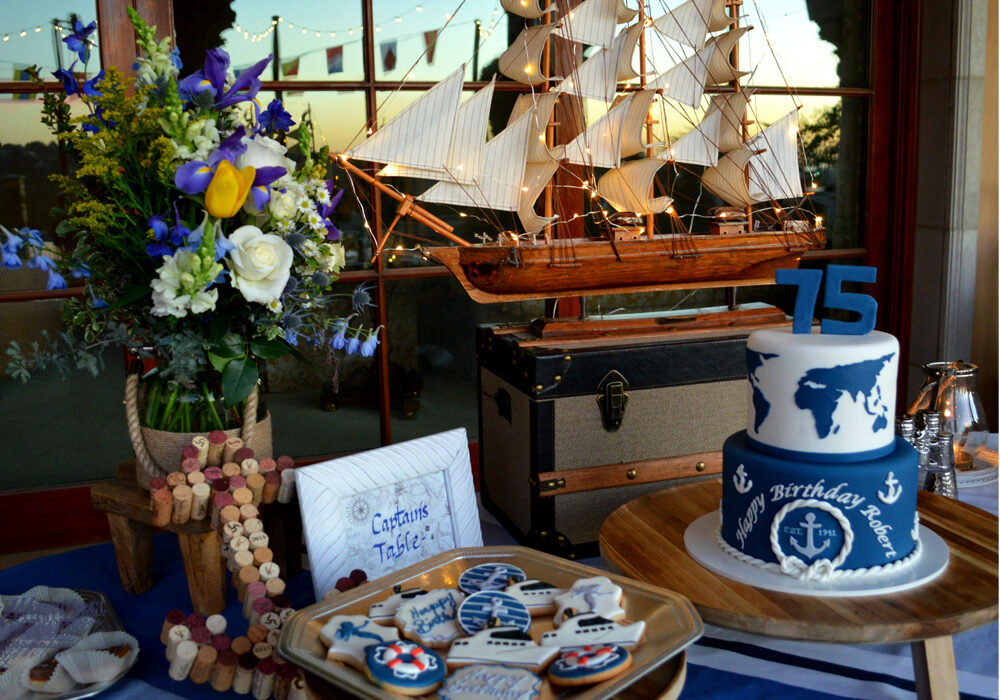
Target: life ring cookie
[(431, 619), (404, 667), (494, 576), (347, 637), (589, 664), (590, 595), (476, 612), (489, 683)]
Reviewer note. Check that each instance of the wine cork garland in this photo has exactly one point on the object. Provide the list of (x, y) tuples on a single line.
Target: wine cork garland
[(199, 507), (182, 504)]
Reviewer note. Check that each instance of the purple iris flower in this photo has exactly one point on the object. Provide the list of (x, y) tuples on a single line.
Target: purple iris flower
[(230, 148), (212, 78), (70, 85), (371, 341), (275, 118), (332, 232), (193, 177), (79, 40), (263, 177), (159, 248)]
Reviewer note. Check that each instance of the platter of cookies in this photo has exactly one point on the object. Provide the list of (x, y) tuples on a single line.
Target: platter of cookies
[(467, 622)]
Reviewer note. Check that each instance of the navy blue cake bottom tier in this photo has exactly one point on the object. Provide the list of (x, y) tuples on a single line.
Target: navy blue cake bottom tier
[(819, 512)]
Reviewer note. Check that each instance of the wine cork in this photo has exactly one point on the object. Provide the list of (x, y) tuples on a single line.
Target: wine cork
[(241, 645), (212, 473), (201, 636), (224, 670), (200, 443), (234, 528), (230, 513), (216, 624), (297, 689), (236, 482), (244, 453), (281, 603), (216, 446), (221, 642), (267, 464), (255, 482), (247, 575), (272, 482), (286, 492), (194, 620), (237, 544), (229, 451), (286, 613), (255, 590), (249, 466), (175, 479), (261, 606), (262, 650), (177, 634), (163, 507), (184, 656), (262, 555), (190, 465), (174, 617), (204, 662), (196, 478), (157, 483), (243, 680), (230, 469), (256, 634), (220, 501), (275, 587), (240, 560), (272, 623), (268, 570), (285, 462), (182, 504), (263, 679), (199, 507), (241, 496), (248, 511), (189, 452), (286, 674), (251, 526), (273, 635), (258, 540)]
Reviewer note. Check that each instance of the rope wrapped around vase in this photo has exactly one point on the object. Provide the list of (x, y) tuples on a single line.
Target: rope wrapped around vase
[(157, 452)]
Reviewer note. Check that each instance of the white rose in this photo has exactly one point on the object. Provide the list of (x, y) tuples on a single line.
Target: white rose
[(260, 264), (263, 152), (282, 205)]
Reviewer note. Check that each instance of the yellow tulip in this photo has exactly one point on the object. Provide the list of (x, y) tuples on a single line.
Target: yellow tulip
[(228, 190)]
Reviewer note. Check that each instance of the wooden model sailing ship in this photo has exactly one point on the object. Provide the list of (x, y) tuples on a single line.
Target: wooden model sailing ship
[(439, 139)]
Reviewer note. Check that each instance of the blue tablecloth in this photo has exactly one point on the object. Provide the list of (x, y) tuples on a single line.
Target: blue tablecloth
[(722, 664)]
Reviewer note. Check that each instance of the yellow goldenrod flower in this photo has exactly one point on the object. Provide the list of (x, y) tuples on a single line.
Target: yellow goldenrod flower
[(228, 190)]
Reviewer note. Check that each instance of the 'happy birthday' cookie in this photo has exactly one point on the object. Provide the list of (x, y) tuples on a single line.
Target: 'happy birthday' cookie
[(404, 667), (476, 612), (590, 595), (347, 637), (589, 664), (489, 577), (432, 618), (489, 683)]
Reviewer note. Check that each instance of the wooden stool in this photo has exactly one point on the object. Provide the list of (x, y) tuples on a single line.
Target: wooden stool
[(130, 518)]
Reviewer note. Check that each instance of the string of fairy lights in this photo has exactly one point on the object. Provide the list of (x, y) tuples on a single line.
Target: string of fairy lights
[(31, 31)]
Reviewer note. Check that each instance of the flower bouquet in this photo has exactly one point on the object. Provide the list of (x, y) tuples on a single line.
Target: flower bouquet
[(201, 243)]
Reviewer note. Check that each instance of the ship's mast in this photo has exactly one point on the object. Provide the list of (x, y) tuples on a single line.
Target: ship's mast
[(650, 218)]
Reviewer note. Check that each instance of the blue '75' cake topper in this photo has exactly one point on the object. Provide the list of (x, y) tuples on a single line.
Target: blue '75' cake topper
[(808, 282)]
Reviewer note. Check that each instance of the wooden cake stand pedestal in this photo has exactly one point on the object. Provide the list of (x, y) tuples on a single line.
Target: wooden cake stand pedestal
[(644, 539)]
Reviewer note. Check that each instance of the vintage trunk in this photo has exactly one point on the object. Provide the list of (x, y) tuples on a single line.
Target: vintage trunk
[(575, 420)]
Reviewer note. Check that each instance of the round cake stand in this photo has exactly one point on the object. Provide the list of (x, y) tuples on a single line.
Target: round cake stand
[(644, 539)]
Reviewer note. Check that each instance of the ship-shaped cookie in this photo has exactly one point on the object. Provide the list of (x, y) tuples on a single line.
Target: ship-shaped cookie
[(500, 645), (588, 628)]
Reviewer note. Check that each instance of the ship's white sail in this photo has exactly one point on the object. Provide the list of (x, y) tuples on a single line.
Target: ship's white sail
[(499, 184), (627, 188), (698, 146), (542, 104), (599, 145), (692, 21), (598, 76), (733, 108), (630, 41), (536, 177), (522, 61), (720, 70), (633, 134), (686, 81), (727, 180), (590, 22), (421, 135), (625, 14), (465, 159), (531, 9), (774, 172)]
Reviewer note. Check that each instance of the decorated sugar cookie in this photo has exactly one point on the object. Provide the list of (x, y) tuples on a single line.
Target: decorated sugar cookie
[(489, 577), (432, 618), (348, 636), (489, 683), (589, 664), (385, 612), (404, 667), (591, 629), (500, 645), (478, 609), (589, 595), (538, 597)]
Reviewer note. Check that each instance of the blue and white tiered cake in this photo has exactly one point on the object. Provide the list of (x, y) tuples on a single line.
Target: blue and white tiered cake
[(818, 486)]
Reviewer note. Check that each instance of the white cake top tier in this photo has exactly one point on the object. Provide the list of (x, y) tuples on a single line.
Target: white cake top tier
[(822, 397)]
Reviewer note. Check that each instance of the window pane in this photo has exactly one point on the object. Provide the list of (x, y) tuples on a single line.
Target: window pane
[(432, 353), (41, 43), (317, 40)]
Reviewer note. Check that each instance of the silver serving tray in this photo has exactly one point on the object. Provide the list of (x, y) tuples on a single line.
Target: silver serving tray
[(671, 621)]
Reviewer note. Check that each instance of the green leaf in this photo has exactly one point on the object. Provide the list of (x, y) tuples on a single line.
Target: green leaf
[(218, 327), (238, 379), (130, 295), (269, 349), (230, 345), (218, 362)]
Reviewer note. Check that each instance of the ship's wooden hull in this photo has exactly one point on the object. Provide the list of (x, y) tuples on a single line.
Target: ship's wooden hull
[(577, 267)]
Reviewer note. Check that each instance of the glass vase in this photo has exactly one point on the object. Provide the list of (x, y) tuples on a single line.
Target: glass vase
[(165, 404)]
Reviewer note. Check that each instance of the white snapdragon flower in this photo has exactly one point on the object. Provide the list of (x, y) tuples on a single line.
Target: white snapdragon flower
[(180, 286), (331, 257)]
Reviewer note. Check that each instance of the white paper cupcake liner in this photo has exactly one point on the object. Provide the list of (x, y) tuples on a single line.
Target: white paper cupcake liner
[(10, 685), (59, 682), (79, 627), (86, 663), (67, 600)]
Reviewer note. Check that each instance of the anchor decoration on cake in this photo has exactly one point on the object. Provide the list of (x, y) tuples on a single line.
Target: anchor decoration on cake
[(817, 569), (810, 550), (895, 490), (915, 532), (741, 482)]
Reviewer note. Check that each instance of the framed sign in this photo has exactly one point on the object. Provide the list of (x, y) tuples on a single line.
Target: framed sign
[(388, 508)]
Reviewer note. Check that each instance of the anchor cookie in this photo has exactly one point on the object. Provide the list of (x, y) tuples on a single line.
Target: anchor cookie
[(489, 683), (537, 596), (432, 618), (589, 664), (478, 609), (489, 577), (404, 667), (347, 637), (590, 595)]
